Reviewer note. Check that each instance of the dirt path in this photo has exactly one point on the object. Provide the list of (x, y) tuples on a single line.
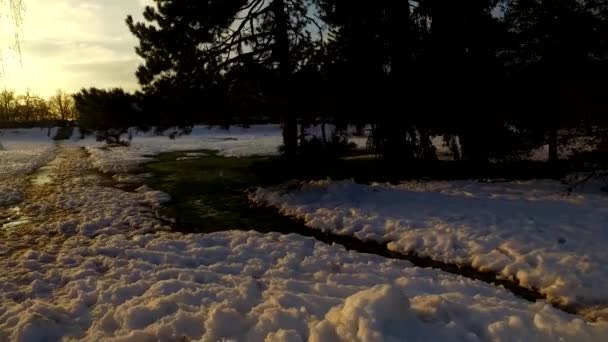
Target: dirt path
[(28, 225)]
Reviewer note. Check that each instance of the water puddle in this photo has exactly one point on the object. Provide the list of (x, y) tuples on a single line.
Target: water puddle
[(13, 218), (44, 175), (43, 178), (139, 178), (17, 223), (192, 156)]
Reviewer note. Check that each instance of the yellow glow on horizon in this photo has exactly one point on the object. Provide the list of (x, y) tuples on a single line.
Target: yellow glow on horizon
[(70, 44)]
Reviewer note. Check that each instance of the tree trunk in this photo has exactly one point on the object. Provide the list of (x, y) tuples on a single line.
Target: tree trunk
[(323, 132), (394, 124), (281, 50), (399, 40), (426, 145), (553, 156), (302, 135)]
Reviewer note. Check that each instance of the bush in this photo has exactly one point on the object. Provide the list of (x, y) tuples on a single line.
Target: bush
[(316, 148)]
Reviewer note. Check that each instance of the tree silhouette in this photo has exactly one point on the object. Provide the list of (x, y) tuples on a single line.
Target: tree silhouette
[(560, 45), (109, 113), (195, 45), (495, 78), (369, 61), (16, 9), (62, 105)]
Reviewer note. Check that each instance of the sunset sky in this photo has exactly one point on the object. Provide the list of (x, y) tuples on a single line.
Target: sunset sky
[(71, 44)]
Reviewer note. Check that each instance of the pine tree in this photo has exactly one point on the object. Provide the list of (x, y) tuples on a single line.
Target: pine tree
[(559, 44), (370, 61), (462, 75), (194, 45)]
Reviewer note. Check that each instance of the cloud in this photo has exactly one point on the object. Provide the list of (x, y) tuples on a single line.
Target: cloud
[(102, 68), (59, 48), (73, 43), (105, 74)]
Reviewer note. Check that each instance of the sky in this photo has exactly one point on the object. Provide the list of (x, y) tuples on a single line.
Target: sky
[(71, 44)]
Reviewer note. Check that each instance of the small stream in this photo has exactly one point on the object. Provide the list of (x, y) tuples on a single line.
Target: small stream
[(12, 218), (44, 175)]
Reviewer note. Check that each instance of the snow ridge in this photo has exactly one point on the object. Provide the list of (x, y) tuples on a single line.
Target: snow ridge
[(526, 230)]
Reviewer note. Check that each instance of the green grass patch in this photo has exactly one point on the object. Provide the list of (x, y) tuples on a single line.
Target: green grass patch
[(209, 193)]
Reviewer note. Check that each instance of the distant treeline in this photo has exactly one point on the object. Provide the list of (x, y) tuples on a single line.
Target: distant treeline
[(28, 110)]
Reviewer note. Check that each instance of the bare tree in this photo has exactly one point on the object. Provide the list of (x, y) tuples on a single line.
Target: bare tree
[(16, 9), (24, 110), (62, 105), (8, 102), (42, 111)]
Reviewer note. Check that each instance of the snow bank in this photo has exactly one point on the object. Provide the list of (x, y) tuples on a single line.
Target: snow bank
[(24, 160), (530, 231)]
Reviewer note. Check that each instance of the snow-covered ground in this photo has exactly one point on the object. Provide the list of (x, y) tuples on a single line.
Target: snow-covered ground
[(100, 266), (529, 231), (252, 287), (94, 263), (21, 152), (24, 150), (233, 142)]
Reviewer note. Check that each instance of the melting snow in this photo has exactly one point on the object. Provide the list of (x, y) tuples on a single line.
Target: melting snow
[(530, 231), (96, 264)]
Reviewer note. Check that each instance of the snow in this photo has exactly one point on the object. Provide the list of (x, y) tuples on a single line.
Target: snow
[(24, 150), (229, 286), (529, 231), (94, 263), (260, 140), (232, 142)]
